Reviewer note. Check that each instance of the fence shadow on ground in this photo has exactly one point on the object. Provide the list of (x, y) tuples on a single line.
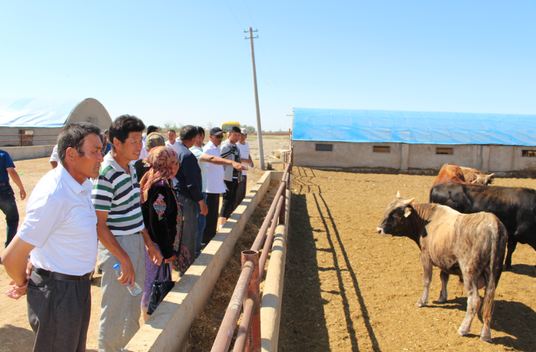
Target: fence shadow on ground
[(302, 300), (334, 240)]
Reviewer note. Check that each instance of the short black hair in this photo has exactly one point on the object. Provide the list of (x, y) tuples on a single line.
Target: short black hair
[(171, 131), (122, 126), (151, 129), (72, 136), (188, 132), (235, 129), (200, 131)]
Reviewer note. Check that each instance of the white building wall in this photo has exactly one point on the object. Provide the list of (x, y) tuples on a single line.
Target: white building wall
[(494, 158)]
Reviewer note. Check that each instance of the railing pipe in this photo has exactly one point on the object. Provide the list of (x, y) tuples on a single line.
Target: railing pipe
[(254, 294), (244, 328), (269, 238), (225, 333), (260, 236)]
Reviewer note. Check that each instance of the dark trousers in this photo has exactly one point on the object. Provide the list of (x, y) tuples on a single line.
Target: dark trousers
[(240, 192), (211, 227), (59, 313), (228, 198), (201, 222), (9, 207)]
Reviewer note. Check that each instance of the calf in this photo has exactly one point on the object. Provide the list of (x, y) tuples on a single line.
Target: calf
[(514, 206), (471, 246), (476, 177)]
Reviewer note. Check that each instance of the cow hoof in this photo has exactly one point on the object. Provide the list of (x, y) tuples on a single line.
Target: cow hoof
[(442, 300), (485, 338), (463, 332), (508, 268), (420, 304)]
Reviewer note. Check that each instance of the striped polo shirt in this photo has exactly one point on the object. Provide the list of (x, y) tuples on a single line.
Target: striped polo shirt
[(118, 193)]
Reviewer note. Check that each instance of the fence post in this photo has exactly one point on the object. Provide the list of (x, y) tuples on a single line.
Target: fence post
[(253, 293)]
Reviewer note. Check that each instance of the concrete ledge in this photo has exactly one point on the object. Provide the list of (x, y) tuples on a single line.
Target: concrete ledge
[(30, 152), (169, 326), (273, 285)]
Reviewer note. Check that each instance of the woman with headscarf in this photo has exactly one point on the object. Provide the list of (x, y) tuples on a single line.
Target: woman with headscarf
[(161, 213)]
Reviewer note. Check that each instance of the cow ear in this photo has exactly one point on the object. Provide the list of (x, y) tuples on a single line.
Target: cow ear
[(398, 196), (409, 201), (407, 212)]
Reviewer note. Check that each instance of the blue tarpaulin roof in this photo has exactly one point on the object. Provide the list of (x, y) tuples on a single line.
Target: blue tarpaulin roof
[(412, 127), (35, 112)]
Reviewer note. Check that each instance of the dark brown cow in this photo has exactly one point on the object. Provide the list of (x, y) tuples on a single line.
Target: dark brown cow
[(471, 246), (477, 177), (449, 173)]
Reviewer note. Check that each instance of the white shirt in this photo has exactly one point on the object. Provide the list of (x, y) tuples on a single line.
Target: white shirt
[(54, 156), (62, 224), (174, 146), (244, 154), (215, 173)]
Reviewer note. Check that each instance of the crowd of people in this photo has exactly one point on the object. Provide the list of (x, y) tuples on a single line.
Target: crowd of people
[(116, 198)]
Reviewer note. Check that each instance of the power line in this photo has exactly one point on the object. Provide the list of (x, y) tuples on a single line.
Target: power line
[(236, 18)]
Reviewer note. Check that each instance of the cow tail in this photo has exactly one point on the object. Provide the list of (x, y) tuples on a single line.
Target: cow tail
[(498, 249)]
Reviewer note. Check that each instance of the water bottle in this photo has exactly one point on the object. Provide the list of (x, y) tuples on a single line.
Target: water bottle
[(135, 290)]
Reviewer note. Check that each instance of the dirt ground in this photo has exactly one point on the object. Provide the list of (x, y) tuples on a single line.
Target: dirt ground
[(15, 332), (349, 289)]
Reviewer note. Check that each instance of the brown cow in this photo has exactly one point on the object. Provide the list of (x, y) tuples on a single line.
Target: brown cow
[(450, 173), (476, 177), (471, 246)]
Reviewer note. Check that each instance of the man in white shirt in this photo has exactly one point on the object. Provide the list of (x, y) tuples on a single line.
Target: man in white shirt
[(60, 234), (246, 160), (215, 185), (172, 140)]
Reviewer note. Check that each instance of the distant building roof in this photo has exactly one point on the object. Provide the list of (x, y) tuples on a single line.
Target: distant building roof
[(35, 112), (412, 127)]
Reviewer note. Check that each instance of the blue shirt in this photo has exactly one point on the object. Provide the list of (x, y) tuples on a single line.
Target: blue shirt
[(189, 174), (5, 162)]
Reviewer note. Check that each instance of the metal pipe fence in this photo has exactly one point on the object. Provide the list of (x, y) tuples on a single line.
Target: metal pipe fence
[(247, 290)]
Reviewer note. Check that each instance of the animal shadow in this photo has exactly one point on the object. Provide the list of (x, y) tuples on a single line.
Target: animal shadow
[(513, 318), (524, 269)]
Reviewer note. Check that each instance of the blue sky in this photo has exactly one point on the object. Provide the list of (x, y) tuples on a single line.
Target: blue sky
[(188, 62)]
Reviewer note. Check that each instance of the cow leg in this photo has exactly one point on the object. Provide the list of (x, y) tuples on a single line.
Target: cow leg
[(512, 243), (444, 281), (426, 278), (473, 302)]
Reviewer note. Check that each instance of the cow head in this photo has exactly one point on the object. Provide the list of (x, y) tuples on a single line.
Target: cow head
[(395, 221), (481, 179)]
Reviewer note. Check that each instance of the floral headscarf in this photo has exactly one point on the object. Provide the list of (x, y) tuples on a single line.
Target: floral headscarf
[(161, 160)]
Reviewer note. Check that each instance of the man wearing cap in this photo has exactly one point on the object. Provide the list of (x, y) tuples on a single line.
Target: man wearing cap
[(246, 160), (231, 177), (215, 184)]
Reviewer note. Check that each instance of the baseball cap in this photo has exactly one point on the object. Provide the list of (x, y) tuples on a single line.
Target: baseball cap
[(244, 131), (215, 131)]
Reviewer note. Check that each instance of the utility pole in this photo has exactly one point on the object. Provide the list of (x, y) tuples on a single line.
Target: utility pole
[(259, 129)]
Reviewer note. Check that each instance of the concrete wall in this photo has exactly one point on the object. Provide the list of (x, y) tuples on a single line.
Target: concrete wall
[(23, 153), (494, 158), (9, 136), (168, 327)]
